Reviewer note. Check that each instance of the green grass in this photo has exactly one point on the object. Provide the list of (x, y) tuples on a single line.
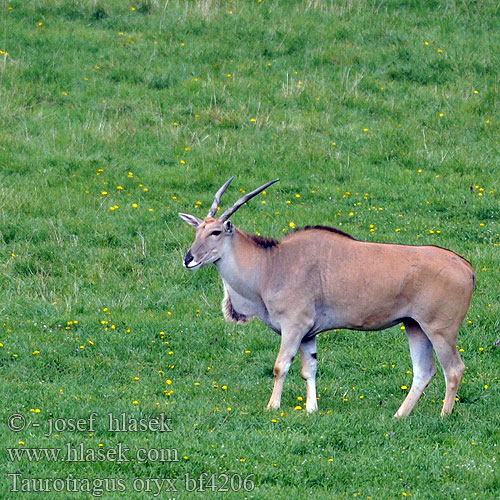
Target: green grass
[(381, 118)]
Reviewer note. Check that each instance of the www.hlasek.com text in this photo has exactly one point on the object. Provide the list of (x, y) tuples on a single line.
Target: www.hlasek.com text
[(80, 453)]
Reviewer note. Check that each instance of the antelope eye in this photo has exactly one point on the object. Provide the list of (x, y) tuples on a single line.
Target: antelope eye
[(215, 233)]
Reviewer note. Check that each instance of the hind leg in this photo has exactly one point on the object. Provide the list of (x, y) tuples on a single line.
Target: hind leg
[(424, 367), (453, 367)]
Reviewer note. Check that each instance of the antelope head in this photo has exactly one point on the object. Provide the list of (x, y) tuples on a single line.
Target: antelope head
[(213, 236)]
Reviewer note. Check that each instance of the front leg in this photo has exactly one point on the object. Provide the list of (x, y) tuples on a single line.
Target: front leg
[(291, 338), (308, 356)]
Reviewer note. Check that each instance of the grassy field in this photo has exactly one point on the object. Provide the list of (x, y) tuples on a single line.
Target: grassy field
[(380, 118)]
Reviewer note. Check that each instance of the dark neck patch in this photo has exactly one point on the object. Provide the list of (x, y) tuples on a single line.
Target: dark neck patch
[(262, 242)]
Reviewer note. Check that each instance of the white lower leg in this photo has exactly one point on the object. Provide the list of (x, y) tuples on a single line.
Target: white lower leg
[(309, 368), (311, 401)]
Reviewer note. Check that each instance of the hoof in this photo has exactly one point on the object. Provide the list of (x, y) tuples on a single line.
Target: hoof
[(272, 406)]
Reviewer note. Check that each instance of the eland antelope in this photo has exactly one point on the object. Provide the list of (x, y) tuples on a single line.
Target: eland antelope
[(319, 278)]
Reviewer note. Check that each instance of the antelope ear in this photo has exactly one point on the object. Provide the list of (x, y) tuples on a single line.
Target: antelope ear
[(228, 227), (191, 220)]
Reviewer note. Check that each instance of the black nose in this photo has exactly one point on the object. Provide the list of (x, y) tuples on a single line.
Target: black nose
[(188, 258)]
